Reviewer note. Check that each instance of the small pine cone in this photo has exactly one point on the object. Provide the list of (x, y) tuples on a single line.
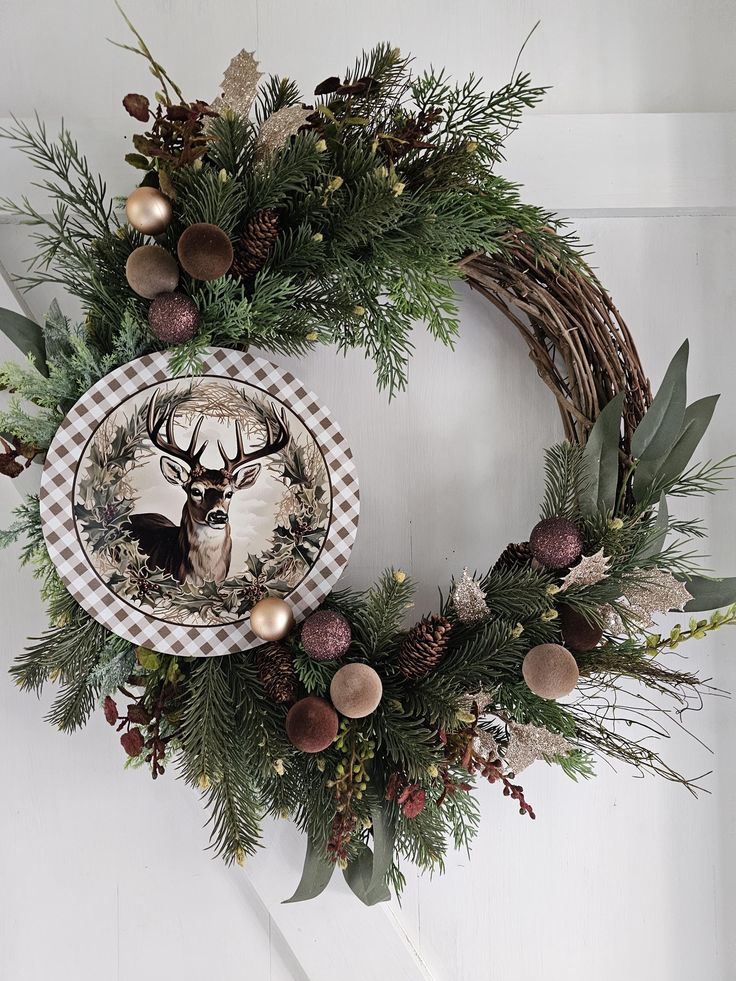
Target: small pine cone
[(424, 646), (513, 556), (276, 671), (255, 244)]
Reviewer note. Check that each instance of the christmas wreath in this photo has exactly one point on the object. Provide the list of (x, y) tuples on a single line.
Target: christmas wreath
[(262, 221)]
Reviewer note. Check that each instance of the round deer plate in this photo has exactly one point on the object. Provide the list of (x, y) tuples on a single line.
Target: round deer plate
[(171, 505)]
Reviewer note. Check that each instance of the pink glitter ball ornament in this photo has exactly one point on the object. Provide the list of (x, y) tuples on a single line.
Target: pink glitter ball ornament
[(326, 635), (174, 318)]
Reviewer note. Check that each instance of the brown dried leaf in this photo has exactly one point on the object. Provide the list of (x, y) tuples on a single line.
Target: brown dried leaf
[(137, 106), (132, 742)]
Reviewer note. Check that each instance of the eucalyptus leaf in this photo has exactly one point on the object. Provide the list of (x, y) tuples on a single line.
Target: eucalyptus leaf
[(652, 475), (657, 433), (697, 419), (384, 835), (710, 594), (359, 876), (316, 874), (659, 531), (26, 335), (601, 456)]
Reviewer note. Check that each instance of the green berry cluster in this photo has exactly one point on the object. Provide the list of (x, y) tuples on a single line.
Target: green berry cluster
[(351, 771)]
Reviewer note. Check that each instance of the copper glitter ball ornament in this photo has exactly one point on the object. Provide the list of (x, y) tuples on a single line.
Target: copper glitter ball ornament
[(311, 724), (151, 270), (556, 542), (550, 671), (205, 251), (356, 690), (174, 318), (326, 635), (148, 210), (271, 618), (579, 634)]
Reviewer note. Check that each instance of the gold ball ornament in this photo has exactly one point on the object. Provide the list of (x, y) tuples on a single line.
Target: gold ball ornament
[(205, 251), (271, 618), (550, 671), (151, 270), (148, 210), (356, 690)]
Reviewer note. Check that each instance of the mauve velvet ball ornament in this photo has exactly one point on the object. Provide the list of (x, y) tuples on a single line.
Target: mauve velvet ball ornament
[(326, 635), (151, 270), (550, 671), (148, 210), (311, 724), (556, 543), (271, 618), (174, 318), (205, 251), (579, 634), (356, 690)]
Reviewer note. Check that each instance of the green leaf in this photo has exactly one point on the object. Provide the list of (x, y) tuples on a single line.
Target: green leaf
[(26, 335), (359, 876), (710, 594), (138, 161), (697, 419), (601, 457), (659, 531), (384, 834), (661, 473), (657, 432), (316, 874)]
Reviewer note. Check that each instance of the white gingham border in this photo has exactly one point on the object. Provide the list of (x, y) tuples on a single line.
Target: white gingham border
[(57, 493)]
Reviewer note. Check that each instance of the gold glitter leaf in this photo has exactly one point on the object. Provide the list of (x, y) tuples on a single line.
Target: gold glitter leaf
[(529, 743), (279, 126), (589, 570), (469, 599), (240, 83)]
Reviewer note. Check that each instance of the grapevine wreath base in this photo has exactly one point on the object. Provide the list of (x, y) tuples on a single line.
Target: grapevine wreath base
[(260, 220)]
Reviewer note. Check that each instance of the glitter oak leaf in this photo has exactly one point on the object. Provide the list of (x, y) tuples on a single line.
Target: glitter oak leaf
[(589, 570), (528, 743)]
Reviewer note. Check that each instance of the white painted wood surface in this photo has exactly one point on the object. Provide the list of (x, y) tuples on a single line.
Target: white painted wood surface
[(103, 871)]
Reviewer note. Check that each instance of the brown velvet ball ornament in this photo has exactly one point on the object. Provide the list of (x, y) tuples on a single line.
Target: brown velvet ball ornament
[(326, 635), (205, 251), (356, 690), (148, 210), (271, 618), (174, 318), (579, 634), (151, 270), (311, 724), (550, 671), (556, 542)]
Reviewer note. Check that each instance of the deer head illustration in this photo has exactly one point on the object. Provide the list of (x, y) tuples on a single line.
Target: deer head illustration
[(199, 549)]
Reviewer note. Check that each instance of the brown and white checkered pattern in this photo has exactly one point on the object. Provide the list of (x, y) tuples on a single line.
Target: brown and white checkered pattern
[(68, 555)]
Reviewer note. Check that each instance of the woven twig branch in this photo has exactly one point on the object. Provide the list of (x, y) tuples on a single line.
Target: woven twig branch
[(580, 344)]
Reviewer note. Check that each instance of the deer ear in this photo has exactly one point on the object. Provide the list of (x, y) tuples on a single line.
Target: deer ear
[(174, 472), (246, 477)]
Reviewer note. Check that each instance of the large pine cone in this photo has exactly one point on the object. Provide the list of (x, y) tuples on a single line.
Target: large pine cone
[(276, 671), (424, 646), (254, 245), (513, 556)]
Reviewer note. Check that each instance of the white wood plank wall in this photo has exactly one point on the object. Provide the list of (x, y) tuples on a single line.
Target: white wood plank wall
[(103, 872)]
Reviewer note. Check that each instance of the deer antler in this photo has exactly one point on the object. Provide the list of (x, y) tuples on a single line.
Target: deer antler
[(275, 441), (191, 456)]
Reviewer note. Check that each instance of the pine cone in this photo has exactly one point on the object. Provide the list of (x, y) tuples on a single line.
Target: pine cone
[(513, 556), (424, 646), (255, 244), (276, 671)]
